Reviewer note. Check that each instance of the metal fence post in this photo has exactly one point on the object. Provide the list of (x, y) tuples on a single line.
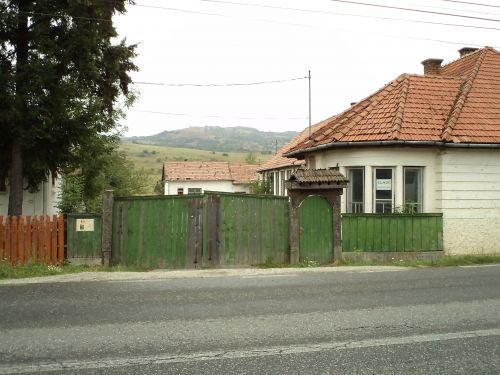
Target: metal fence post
[(107, 224)]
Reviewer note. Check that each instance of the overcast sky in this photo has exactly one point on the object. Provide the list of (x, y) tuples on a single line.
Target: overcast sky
[(351, 50)]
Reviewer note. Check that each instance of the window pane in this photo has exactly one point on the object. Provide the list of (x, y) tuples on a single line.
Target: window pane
[(355, 195), (413, 189), (383, 190)]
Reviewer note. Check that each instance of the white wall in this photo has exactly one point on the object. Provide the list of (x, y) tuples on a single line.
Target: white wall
[(469, 197), (397, 158), (223, 186), (43, 202), (463, 184)]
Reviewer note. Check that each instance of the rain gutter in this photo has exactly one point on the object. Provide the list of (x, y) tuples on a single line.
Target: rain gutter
[(392, 143)]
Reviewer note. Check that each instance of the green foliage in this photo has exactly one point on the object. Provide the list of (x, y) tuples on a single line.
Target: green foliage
[(61, 78), (36, 269), (159, 188), (82, 190), (251, 159), (261, 186)]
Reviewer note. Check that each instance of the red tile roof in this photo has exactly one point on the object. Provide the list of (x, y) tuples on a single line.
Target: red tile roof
[(244, 173), (208, 171), (461, 104)]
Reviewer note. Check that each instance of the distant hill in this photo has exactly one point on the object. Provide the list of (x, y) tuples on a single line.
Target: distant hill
[(215, 138)]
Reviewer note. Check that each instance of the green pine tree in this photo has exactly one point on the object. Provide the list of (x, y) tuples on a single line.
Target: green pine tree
[(61, 78)]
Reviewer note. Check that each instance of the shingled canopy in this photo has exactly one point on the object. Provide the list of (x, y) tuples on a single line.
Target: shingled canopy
[(328, 183), (322, 179)]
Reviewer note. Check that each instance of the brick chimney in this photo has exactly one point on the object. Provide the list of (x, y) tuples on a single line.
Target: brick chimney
[(466, 50), (432, 66)]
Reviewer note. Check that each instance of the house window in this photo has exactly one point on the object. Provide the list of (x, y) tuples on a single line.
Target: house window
[(194, 190), (383, 188), (180, 191), (355, 192), (276, 183), (413, 190)]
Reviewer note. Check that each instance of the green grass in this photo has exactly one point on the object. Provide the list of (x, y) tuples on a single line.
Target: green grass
[(150, 158), (35, 269), (445, 261)]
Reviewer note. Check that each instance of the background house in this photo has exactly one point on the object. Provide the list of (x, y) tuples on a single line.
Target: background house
[(196, 177), (278, 168), (424, 143), (41, 202)]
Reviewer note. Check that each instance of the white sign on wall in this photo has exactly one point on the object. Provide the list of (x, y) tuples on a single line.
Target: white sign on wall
[(384, 184), (84, 225)]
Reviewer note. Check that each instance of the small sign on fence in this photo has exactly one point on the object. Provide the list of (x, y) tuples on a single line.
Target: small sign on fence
[(84, 225)]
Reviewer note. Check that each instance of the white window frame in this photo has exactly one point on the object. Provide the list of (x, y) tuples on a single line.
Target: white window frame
[(359, 207), (414, 207), (374, 189)]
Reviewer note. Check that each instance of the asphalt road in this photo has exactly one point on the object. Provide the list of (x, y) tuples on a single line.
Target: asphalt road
[(362, 321)]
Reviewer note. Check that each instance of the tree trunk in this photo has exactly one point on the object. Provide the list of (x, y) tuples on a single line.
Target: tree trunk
[(16, 169), (16, 181)]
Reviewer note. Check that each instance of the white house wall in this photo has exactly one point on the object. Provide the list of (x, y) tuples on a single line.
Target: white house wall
[(172, 187), (463, 184), (396, 158), (470, 200), (43, 202)]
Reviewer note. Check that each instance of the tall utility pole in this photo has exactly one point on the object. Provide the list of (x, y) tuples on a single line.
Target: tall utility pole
[(309, 79)]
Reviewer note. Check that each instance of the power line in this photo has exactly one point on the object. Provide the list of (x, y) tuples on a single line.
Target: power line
[(349, 14), (219, 84), (415, 10), (471, 3), (218, 116)]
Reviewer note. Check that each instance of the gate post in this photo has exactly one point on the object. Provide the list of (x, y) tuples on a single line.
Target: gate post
[(107, 227)]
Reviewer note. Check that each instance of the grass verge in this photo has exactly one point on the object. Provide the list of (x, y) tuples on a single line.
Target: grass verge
[(444, 261), (35, 269)]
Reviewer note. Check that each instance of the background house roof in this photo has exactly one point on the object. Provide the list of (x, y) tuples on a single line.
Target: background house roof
[(279, 161), (209, 171), (459, 103), (244, 173)]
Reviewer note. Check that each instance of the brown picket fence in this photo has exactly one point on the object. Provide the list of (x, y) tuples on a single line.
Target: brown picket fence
[(25, 238)]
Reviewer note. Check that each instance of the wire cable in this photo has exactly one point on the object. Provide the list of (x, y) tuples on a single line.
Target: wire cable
[(415, 10), (350, 14), (219, 84), (472, 3), (217, 116)]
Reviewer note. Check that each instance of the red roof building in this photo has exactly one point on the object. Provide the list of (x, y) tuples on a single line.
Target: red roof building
[(423, 143)]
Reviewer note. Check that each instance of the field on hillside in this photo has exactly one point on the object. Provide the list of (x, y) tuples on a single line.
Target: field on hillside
[(151, 157)]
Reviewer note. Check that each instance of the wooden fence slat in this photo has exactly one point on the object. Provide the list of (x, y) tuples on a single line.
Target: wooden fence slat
[(20, 240), (47, 240), (13, 235), (41, 239), (27, 239), (34, 239), (60, 242), (8, 249), (53, 242)]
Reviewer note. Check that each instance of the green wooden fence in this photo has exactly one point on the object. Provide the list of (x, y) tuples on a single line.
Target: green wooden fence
[(393, 232), (83, 238), (199, 230), (251, 229)]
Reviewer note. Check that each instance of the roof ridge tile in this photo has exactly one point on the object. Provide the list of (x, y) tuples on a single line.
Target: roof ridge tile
[(446, 135)]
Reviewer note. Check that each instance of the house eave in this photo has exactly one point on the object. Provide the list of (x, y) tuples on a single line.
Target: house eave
[(299, 153)]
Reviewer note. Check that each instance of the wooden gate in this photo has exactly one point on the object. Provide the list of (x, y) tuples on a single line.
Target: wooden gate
[(316, 230)]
